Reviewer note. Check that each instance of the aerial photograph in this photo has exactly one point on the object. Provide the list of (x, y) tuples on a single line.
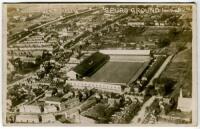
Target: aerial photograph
[(99, 63)]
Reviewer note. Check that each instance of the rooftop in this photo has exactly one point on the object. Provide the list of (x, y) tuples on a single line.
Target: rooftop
[(91, 64), (55, 99), (126, 52), (27, 117)]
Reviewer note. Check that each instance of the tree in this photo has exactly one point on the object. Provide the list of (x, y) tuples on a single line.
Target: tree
[(149, 91), (41, 74), (173, 33), (180, 46), (67, 88), (164, 86), (18, 64), (38, 91), (16, 95), (38, 60), (80, 96), (130, 31), (59, 94), (47, 67), (46, 56), (163, 42), (54, 91)]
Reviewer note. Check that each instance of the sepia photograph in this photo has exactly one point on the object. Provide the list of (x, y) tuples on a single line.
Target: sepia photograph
[(90, 64)]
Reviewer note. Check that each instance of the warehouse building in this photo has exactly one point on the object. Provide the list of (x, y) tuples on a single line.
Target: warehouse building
[(50, 109), (48, 118), (30, 109), (27, 119)]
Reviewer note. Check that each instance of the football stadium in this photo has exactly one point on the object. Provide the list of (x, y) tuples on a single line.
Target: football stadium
[(109, 70)]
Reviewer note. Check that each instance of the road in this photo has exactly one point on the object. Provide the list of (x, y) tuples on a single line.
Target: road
[(53, 21), (161, 69), (141, 114), (139, 118), (71, 110), (31, 74), (59, 19), (75, 109), (85, 38)]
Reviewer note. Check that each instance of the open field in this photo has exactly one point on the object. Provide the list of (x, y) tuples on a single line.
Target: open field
[(119, 72), (180, 69)]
